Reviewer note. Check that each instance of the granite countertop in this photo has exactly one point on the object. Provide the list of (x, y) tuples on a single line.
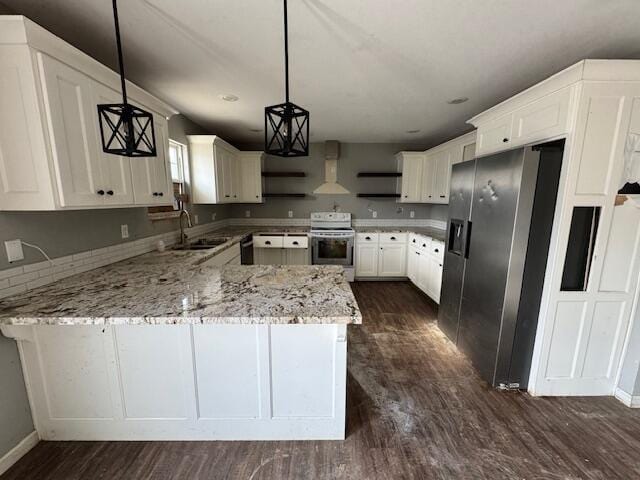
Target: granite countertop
[(435, 233), (138, 292)]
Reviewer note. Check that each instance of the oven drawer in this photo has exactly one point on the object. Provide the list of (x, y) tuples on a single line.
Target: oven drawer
[(393, 238), (268, 241), (296, 241), (367, 237)]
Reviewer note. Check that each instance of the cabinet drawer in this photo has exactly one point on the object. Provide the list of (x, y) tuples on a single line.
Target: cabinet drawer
[(367, 238), (268, 241), (423, 243), (393, 238), (437, 249), (296, 241)]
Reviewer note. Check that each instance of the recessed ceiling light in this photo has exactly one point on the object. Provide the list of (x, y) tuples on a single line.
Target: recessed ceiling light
[(228, 97), (413, 131), (457, 101)]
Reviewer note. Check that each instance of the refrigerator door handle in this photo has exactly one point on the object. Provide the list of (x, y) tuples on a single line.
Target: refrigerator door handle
[(467, 242)]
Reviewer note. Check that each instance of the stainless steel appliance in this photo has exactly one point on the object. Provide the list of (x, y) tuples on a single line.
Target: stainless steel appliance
[(501, 211), (246, 250), (332, 240)]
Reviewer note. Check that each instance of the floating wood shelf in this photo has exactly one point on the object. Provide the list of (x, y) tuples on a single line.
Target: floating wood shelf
[(291, 195), (379, 195), (284, 174), (379, 174)]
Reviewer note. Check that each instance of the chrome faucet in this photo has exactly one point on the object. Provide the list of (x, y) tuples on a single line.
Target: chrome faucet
[(183, 236)]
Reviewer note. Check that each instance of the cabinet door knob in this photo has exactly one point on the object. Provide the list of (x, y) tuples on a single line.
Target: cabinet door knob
[(227, 196), (406, 196), (161, 194), (267, 242), (393, 238), (100, 192), (505, 140), (436, 250), (296, 243), (367, 238), (414, 240), (155, 194), (442, 196), (417, 253), (424, 245), (109, 192)]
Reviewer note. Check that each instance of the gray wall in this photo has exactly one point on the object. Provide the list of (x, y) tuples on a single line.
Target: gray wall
[(354, 157)]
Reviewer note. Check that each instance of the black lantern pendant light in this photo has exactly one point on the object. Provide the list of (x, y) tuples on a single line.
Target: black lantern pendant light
[(286, 125), (125, 130)]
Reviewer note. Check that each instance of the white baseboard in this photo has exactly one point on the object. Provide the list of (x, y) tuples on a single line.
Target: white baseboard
[(17, 452), (632, 401)]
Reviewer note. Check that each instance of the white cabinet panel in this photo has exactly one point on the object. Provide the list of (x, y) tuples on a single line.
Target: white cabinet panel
[(567, 330), (601, 354), (251, 177), (544, 118), (72, 117), (76, 368), (410, 183), (413, 264), (151, 175), (268, 241), (25, 182), (302, 370), (392, 259), (154, 369), (601, 141), (227, 376), (366, 258), (622, 249), (423, 273), (441, 176), (494, 135)]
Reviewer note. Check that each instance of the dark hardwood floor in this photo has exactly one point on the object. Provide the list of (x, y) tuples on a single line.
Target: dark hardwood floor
[(416, 410)]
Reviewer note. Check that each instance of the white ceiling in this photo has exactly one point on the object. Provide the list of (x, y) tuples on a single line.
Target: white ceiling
[(368, 70)]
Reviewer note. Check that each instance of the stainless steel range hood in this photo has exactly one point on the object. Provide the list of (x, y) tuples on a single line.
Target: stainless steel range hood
[(331, 185)]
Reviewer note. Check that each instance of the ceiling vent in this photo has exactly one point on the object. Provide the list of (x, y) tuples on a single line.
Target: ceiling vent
[(331, 185)]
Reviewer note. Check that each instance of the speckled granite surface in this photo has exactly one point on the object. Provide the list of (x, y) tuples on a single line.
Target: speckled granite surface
[(177, 293)]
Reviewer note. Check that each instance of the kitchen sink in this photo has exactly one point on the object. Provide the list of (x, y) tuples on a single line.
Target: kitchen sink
[(202, 244)]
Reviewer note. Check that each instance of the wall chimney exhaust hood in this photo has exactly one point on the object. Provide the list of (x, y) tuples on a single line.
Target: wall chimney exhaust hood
[(331, 185)]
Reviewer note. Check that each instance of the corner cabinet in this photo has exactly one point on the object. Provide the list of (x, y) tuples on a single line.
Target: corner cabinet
[(51, 154), (220, 173), (426, 175)]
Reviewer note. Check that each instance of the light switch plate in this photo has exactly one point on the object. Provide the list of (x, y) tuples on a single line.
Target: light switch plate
[(247, 213), (213, 216), (290, 213), (412, 214), (14, 250), (374, 214), (195, 219), (124, 231)]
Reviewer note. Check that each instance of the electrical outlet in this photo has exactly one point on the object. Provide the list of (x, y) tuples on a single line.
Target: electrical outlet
[(412, 214), (196, 220), (290, 213), (213, 217), (247, 213), (124, 231), (14, 250), (374, 214)]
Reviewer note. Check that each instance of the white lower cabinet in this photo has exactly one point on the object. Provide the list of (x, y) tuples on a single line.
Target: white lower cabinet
[(381, 255), (185, 382), (424, 264)]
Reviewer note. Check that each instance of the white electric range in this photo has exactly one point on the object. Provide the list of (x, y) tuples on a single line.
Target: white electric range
[(332, 240)]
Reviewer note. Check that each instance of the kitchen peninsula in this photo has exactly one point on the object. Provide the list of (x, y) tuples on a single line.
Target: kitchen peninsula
[(164, 347)]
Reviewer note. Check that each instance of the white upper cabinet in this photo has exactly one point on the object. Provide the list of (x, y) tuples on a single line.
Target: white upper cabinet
[(152, 175), (436, 169), (51, 154), (409, 185), (251, 176), (495, 135), (223, 174)]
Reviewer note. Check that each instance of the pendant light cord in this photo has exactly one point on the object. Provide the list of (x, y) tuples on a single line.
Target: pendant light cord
[(286, 51), (119, 45)]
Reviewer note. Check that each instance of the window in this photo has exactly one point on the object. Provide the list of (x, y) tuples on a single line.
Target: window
[(176, 159)]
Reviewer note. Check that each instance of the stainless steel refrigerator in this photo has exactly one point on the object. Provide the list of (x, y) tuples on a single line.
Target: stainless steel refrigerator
[(501, 212)]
